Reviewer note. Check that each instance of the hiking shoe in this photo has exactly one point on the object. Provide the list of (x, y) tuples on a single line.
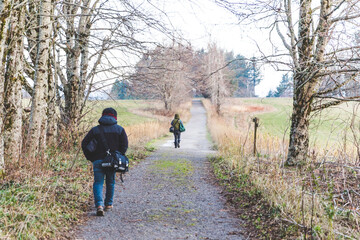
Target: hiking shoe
[(108, 208), (100, 211)]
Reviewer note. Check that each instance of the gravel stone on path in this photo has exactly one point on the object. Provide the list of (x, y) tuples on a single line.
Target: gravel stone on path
[(170, 195)]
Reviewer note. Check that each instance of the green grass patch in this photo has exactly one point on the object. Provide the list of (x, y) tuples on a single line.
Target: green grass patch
[(327, 126), (181, 167), (276, 122), (123, 107)]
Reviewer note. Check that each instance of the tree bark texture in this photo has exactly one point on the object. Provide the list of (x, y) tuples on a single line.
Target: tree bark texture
[(13, 85), (52, 114), (4, 18), (36, 139), (299, 131), (77, 59), (308, 64)]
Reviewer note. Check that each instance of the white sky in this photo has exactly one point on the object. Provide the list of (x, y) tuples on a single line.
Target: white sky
[(202, 20)]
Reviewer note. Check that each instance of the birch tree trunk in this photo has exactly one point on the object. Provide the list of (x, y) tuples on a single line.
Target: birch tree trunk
[(36, 138), (4, 16), (84, 38), (13, 94), (72, 86), (52, 115), (77, 58)]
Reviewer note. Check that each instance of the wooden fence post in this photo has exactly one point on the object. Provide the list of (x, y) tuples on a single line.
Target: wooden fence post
[(256, 122)]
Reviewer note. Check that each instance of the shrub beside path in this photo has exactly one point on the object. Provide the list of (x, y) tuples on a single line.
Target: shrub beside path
[(170, 195)]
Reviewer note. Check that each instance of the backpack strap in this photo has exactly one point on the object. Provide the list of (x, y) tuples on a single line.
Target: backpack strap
[(103, 139)]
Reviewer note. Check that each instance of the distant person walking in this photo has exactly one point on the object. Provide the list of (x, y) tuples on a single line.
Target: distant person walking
[(95, 151), (177, 124)]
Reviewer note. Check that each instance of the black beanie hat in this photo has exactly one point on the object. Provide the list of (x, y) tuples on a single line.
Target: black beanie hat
[(110, 112)]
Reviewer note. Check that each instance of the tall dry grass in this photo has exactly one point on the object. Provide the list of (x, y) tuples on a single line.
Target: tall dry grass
[(322, 198)]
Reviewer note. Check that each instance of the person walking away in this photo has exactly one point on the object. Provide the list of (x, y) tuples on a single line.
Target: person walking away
[(94, 150), (176, 124)]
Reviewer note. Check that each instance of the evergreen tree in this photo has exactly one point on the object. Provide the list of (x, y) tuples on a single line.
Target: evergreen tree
[(120, 90), (255, 76), (285, 87), (241, 73), (271, 94)]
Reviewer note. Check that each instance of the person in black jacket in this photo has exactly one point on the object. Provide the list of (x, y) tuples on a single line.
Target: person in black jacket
[(94, 150)]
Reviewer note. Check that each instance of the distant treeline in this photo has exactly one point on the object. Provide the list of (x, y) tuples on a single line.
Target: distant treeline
[(179, 69)]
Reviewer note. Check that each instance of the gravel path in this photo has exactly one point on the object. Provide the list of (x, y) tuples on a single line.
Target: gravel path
[(169, 195)]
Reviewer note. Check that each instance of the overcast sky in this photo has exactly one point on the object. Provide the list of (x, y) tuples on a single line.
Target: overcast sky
[(202, 20)]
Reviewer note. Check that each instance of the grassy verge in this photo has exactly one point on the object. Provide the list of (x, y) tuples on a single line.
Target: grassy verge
[(39, 207), (46, 200), (261, 220), (320, 200)]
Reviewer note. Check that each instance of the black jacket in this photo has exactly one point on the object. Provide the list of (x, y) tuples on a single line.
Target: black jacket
[(115, 136)]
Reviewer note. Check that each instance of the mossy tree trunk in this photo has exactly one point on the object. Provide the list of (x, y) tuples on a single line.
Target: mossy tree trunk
[(308, 63), (36, 139), (4, 18), (13, 87)]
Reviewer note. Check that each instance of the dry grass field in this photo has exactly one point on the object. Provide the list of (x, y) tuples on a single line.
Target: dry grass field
[(323, 197)]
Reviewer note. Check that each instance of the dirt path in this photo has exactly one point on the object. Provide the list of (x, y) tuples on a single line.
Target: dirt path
[(169, 195)]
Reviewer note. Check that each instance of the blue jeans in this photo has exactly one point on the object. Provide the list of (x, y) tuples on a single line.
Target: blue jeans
[(99, 174), (177, 138)]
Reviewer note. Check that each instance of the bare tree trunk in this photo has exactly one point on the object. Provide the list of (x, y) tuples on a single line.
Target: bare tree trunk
[(299, 132), (305, 82), (13, 94), (84, 38), (36, 137), (71, 89), (52, 116), (167, 102), (4, 16), (77, 59), (217, 82), (51, 109), (218, 104)]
